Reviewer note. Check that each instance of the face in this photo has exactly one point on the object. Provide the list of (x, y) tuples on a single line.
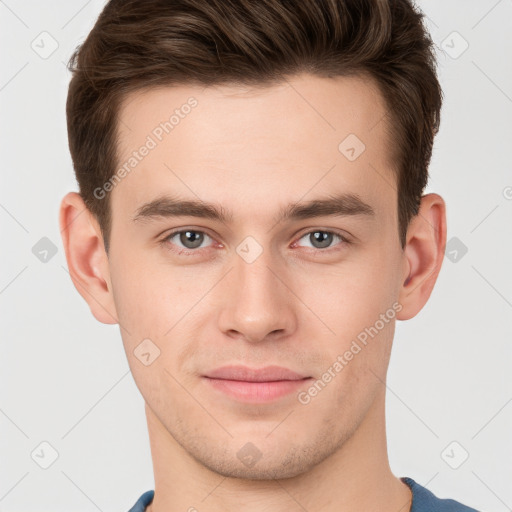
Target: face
[(245, 279)]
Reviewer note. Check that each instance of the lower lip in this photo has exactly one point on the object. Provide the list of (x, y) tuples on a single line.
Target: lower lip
[(256, 392)]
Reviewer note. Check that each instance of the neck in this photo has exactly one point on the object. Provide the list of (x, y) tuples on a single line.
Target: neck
[(355, 478)]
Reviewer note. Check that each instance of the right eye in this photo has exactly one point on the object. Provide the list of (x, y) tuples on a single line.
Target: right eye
[(190, 240)]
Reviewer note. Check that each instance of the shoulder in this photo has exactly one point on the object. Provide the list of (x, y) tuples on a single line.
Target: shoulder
[(424, 500), (143, 502)]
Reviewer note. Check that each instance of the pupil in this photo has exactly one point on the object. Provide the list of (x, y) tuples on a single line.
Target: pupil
[(191, 244), (323, 240)]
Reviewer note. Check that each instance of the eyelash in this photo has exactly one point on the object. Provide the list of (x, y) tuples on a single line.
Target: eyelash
[(191, 252)]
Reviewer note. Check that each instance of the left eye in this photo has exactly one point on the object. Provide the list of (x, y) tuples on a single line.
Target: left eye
[(322, 239)]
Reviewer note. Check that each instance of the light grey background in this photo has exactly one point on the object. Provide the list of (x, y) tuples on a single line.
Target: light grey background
[(65, 378)]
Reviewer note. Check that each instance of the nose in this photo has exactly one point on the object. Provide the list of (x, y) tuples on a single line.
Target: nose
[(257, 303)]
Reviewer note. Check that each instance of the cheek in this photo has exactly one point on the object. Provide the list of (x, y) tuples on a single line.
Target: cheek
[(149, 293), (163, 304), (153, 308), (355, 306), (351, 294)]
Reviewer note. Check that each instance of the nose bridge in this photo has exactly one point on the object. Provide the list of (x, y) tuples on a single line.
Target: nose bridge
[(255, 276), (257, 302)]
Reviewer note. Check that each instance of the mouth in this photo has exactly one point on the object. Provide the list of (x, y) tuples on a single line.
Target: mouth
[(252, 385)]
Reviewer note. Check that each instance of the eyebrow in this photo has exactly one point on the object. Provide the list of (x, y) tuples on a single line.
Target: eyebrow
[(346, 204)]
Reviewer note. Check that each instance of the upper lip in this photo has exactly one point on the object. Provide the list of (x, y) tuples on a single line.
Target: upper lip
[(244, 373)]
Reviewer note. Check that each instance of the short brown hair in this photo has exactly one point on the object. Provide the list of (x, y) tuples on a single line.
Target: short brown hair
[(138, 44)]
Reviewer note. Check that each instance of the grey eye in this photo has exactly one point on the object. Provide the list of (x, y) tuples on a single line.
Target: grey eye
[(191, 239), (321, 239)]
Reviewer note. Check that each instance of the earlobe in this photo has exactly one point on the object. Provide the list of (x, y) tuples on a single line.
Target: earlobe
[(424, 254), (86, 257)]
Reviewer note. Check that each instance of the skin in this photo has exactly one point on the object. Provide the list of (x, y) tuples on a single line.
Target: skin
[(254, 151)]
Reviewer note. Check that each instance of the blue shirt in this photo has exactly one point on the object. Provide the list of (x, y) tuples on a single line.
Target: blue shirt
[(422, 500)]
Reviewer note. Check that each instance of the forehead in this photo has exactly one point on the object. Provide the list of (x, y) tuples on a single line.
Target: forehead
[(263, 144)]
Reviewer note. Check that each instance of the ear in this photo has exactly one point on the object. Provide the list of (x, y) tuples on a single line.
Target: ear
[(86, 257), (423, 255)]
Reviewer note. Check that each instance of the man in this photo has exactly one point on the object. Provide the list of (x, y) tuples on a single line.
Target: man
[(251, 215)]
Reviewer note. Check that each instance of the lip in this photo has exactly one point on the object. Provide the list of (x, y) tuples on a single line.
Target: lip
[(255, 385), (244, 373)]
